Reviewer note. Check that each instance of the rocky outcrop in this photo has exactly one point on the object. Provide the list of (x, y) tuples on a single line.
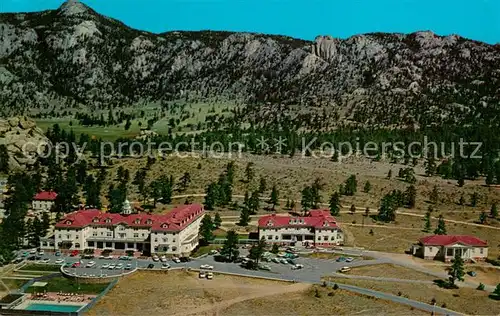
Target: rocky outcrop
[(23, 139)]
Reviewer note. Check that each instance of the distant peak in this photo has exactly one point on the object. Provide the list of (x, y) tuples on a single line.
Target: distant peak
[(73, 7)]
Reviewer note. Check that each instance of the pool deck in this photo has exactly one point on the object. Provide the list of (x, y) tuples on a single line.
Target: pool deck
[(28, 302)]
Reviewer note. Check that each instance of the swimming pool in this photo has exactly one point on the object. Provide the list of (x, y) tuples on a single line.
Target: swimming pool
[(52, 307)]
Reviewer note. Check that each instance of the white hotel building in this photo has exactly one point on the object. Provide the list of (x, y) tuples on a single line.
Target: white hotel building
[(175, 232), (318, 228)]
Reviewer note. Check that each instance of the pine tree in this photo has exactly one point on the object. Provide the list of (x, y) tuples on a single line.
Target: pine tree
[(461, 182), (461, 201), (456, 271), (274, 199), (494, 211), (254, 203), (206, 229), (335, 204), (45, 223), (257, 251), (474, 198), (316, 193), (184, 181), (307, 198), (441, 226), (482, 217), (217, 220), (430, 166), (427, 224), (389, 174), (4, 159), (211, 196), (387, 210), (244, 216), (351, 185), (249, 172), (434, 195), (367, 187), (410, 196), (230, 247), (262, 185), (353, 209)]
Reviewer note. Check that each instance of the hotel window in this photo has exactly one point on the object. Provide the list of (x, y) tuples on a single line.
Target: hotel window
[(76, 237), (136, 235), (332, 238), (77, 245), (109, 234), (276, 237), (94, 234), (325, 238), (122, 228), (156, 239), (68, 236), (481, 250), (165, 239), (269, 237)]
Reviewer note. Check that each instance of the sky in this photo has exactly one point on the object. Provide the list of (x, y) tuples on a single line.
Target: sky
[(474, 19)]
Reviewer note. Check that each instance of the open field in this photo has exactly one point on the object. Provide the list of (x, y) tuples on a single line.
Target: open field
[(161, 293), (330, 302), (61, 284), (41, 267), (390, 271), (465, 300)]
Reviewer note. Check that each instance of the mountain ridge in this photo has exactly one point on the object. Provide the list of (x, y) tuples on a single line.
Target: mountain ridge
[(74, 55)]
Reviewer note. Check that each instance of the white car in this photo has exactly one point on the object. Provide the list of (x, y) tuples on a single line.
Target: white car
[(46, 260), (111, 266), (206, 266), (33, 251), (90, 264), (344, 269), (41, 253), (105, 266), (119, 266), (202, 275), (349, 259), (176, 260), (163, 259), (210, 275), (297, 266), (156, 259), (128, 266), (165, 266), (59, 261)]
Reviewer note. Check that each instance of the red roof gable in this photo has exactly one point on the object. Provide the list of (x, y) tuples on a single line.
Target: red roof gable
[(45, 196), (315, 218), (175, 220), (445, 240)]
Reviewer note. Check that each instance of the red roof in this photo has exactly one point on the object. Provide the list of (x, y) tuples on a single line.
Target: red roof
[(45, 196), (315, 218), (445, 240), (175, 220)]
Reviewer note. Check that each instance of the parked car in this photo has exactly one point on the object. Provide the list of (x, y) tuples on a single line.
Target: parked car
[(74, 253), (344, 269), (176, 260), (151, 266), (25, 254), (45, 260), (163, 259), (124, 258), (276, 260), (202, 275), (471, 273), (185, 259), (264, 267), (41, 253), (128, 266), (17, 260), (105, 266), (210, 275), (283, 261), (155, 258), (349, 259), (33, 251), (340, 259), (297, 266), (206, 266), (111, 266), (59, 261), (165, 266), (58, 253), (76, 265), (290, 261), (119, 266), (90, 264), (213, 252)]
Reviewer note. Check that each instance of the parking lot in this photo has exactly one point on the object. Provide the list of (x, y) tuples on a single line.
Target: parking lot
[(312, 270)]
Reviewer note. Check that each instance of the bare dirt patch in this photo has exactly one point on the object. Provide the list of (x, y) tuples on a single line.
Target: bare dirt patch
[(464, 300)]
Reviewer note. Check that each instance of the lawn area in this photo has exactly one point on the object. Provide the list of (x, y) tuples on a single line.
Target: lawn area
[(41, 267), (61, 284), (12, 284), (204, 250), (464, 300), (391, 271)]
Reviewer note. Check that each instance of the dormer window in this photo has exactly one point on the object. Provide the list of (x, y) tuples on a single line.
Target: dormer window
[(149, 222), (95, 220), (325, 224), (137, 221), (68, 222), (269, 223), (108, 220), (164, 226)]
